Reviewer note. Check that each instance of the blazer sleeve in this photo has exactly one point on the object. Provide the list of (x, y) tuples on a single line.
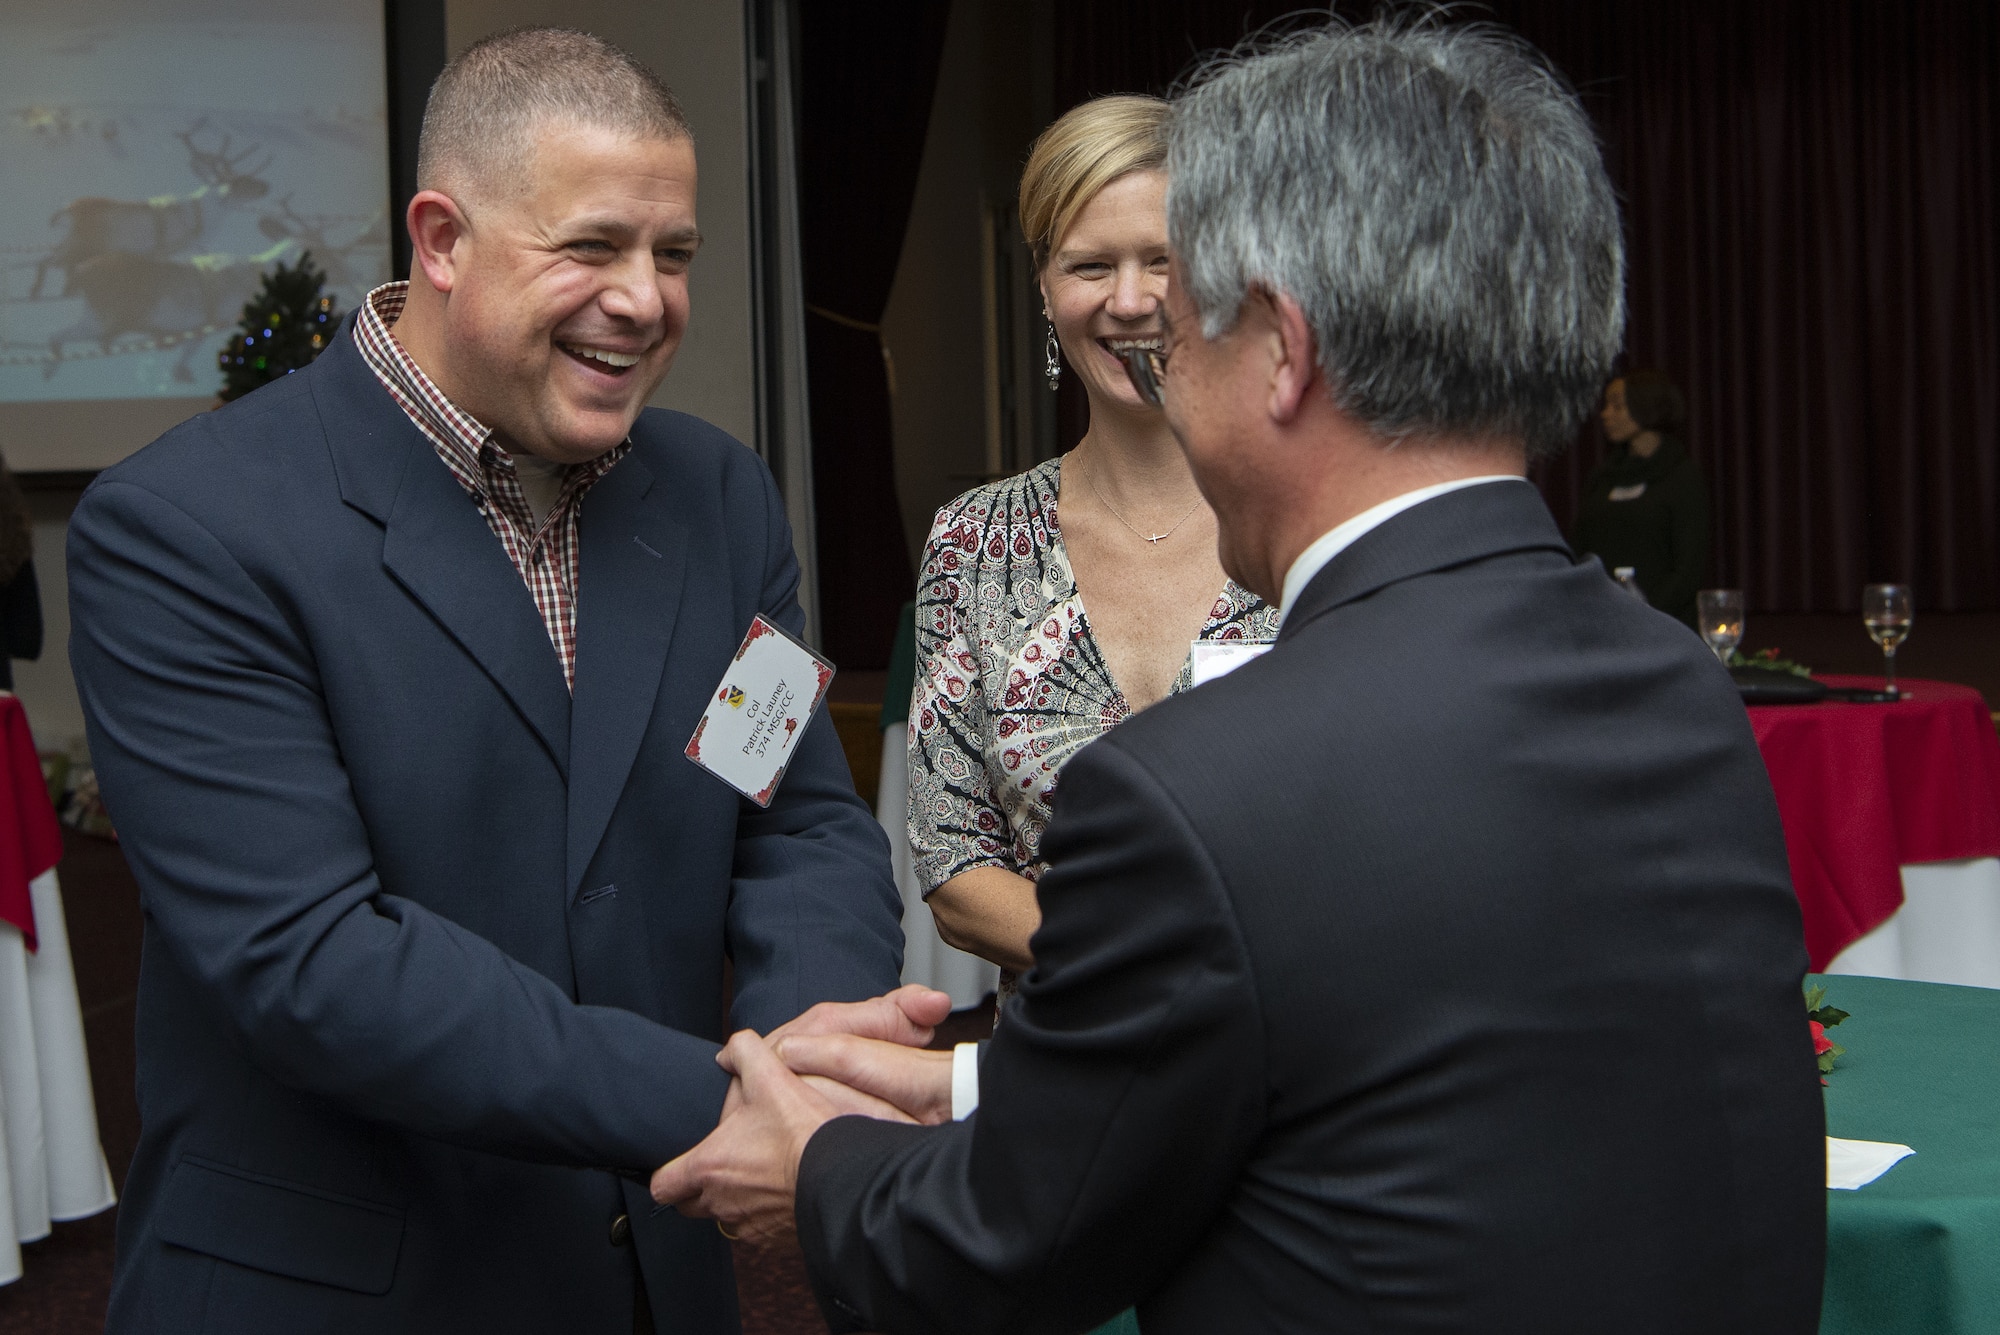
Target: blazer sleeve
[(218, 761), (813, 912), (1119, 1100)]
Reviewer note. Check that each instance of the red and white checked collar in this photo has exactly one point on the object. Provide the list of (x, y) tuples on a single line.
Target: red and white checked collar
[(546, 556)]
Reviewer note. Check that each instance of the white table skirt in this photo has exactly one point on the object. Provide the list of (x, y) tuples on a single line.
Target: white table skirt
[(1948, 930), (53, 1166), (926, 958)]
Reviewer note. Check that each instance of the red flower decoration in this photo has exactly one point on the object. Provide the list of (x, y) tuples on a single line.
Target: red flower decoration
[(1821, 1043)]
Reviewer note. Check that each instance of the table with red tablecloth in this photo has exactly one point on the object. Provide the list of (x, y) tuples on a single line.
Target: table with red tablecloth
[(1870, 793), (51, 1164), (30, 840)]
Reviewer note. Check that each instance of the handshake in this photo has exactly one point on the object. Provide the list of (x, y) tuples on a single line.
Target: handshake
[(865, 1057)]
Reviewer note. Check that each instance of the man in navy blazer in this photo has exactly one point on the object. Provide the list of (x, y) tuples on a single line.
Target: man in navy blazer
[(388, 669)]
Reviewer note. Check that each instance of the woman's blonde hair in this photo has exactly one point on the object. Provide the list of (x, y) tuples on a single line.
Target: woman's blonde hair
[(1087, 148)]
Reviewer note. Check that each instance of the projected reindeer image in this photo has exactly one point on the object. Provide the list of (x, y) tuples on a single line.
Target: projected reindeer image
[(157, 159), (162, 273), (157, 228), (345, 249)]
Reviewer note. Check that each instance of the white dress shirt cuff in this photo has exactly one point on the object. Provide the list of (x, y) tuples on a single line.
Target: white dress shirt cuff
[(964, 1081)]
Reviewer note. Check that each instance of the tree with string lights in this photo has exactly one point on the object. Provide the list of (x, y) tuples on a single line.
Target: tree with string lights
[(287, 324)]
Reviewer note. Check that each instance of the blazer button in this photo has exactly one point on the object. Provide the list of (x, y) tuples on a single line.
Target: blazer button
[(621, 1230)]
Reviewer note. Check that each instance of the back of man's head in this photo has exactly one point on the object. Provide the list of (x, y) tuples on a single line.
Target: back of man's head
[(499, 95), (1433, 198)]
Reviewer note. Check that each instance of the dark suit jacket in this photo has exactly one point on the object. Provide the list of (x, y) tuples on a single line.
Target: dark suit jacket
[(426, 938), (1438, 970)]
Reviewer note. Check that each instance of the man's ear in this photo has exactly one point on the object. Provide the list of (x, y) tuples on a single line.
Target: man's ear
[(1295, 365), (437, 226)]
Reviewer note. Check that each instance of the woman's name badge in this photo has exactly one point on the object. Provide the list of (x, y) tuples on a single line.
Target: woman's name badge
[(757, 715), (1631, 493), (1209, 659)]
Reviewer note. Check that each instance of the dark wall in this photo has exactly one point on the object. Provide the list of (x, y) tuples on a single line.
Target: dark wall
[(414, 30), (1815, 256), (866, 78)]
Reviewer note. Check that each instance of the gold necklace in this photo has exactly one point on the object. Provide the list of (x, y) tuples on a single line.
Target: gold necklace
[(1155, 538)]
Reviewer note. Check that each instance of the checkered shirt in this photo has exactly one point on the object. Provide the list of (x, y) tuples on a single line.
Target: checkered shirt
[(546, 556)]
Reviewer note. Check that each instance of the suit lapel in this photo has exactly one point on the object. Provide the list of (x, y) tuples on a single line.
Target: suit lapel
[(440, 548), (1454, 529), (435, 542), (628, 592)]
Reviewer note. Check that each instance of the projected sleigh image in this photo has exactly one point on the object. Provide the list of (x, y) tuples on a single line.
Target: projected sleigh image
[(135, 303)]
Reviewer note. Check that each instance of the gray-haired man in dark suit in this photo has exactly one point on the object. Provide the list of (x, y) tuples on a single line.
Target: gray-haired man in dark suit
[(1439, 969)]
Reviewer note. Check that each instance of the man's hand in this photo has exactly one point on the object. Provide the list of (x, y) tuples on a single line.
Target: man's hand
[(845, 1100), (910, 1079), (906, 1016), (745, 1174)]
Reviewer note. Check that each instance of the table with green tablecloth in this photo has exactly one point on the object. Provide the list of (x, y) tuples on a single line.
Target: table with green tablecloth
[(1918, 1249)]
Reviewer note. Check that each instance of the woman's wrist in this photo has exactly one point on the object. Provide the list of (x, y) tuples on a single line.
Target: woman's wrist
[(990, 912)]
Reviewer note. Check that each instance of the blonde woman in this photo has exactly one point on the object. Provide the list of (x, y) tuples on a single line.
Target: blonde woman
[(1054, 603)]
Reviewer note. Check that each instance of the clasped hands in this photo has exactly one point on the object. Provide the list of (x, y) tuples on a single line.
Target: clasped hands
[(865, 1057)]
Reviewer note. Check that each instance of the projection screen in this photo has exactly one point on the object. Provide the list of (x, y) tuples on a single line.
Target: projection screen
[(158, 156)]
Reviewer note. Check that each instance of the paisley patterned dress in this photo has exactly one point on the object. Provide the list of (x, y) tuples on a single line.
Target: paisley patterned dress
[(1010, 684)]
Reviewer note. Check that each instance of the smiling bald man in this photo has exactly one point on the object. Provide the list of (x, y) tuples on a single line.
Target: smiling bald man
[(389, 668)]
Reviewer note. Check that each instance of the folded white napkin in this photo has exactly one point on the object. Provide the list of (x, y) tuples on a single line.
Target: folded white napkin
[(1856, 1163)]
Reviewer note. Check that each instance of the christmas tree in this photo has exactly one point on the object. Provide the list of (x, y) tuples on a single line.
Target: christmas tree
[(287, 324)]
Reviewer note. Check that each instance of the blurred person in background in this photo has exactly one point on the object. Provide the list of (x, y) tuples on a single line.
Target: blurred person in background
[(20, 594), (1014, 677), (1646, 505)]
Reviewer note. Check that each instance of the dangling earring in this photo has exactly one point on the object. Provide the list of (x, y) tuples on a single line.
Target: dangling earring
[(1052, 350)]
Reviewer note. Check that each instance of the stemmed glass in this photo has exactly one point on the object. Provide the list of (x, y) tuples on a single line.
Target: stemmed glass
[(1721, 615), (1887, 611)]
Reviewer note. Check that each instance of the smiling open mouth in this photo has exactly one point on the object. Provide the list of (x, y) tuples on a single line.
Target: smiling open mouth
[(601, 359), (1115, 346)]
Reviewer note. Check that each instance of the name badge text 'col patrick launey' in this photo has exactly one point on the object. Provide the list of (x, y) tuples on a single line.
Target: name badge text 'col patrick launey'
[(758, 712)]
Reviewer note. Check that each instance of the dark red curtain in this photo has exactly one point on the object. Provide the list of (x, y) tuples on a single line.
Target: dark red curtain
[(1810, 198), (867, 74)]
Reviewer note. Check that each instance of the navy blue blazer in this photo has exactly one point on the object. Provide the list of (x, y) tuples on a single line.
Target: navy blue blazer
[(434, 950)]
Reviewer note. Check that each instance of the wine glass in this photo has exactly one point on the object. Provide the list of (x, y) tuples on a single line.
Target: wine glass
[(1887, 611), (1721, 616)]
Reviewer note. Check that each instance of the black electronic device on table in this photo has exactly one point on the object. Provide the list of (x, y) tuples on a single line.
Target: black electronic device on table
[(1774, 686)]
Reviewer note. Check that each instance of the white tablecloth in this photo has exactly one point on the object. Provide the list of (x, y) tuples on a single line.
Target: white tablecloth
[(926, 958), (52, 1167), (1948, 930)]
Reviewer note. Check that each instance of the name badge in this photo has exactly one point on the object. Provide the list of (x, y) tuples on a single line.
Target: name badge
[(1631, 493), (759, 711), (1209, 659)]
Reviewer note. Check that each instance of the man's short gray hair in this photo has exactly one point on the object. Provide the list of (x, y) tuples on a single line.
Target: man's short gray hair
[(492, 100), (1433, 198)]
